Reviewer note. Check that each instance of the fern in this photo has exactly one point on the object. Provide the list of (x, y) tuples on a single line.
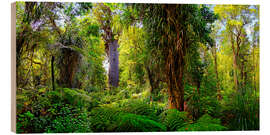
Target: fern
[(202, 127), (140, 108), (108, 119), (128, 122), (205, 123), (103, 119), (173, 119), (208, 119), (75, 97)]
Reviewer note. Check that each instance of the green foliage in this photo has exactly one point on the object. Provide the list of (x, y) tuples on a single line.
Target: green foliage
[(162, 48), (202, 127), (70, 120), (208, 119), (53, 111), (103, 119), (136, 123), (205, 123), (131, 51), (75, 97), (140, 108), (173, 119), (108, 119), (242, 111)]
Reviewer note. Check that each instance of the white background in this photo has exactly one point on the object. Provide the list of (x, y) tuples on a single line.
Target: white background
[(5, 63)]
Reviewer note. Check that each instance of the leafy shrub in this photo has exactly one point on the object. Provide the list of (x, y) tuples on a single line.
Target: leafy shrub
[(49, 111), (173, 119), (70, 120), (205, 123), (128, 122), (25, 120), (57, 118)]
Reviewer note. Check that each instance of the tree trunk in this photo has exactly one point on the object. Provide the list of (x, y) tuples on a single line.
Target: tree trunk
[(175, 82), (113, 64), (150, 82), (154, 83), (219, 97), (52, 67), (234, 64), (235, 72), (69, 65), (176, 95), (254, 70)]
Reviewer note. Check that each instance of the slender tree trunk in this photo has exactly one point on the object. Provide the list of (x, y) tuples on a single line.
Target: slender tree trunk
[(52, 68), (234, 64), (150, 82), (254, 70), (113, 64), (216, 71), (235, 72)]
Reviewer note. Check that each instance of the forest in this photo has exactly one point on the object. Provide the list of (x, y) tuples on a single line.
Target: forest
[(136, 67)]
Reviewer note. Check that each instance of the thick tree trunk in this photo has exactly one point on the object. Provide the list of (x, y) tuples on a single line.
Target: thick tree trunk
[(69, 65), (176, 95), (175, 83), (113, 64)]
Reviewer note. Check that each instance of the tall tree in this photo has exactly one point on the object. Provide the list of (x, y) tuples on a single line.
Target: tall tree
[(235, 19), (216, 36), (173, 29), (104, 16)]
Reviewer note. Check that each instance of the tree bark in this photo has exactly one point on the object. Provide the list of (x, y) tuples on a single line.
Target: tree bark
[(175, 63), (234, 64), (52, 68), (153, 81), (219, 97), (69, 66), (175, 71), (113, 64)]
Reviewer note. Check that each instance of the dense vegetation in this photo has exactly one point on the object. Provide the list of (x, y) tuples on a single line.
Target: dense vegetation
[(105, 67)]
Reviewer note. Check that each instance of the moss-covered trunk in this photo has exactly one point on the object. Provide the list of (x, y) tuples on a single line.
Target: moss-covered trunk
[(69, 65)]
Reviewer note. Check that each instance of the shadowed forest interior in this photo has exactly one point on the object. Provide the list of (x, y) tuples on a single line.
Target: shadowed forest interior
[(123, 67)]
